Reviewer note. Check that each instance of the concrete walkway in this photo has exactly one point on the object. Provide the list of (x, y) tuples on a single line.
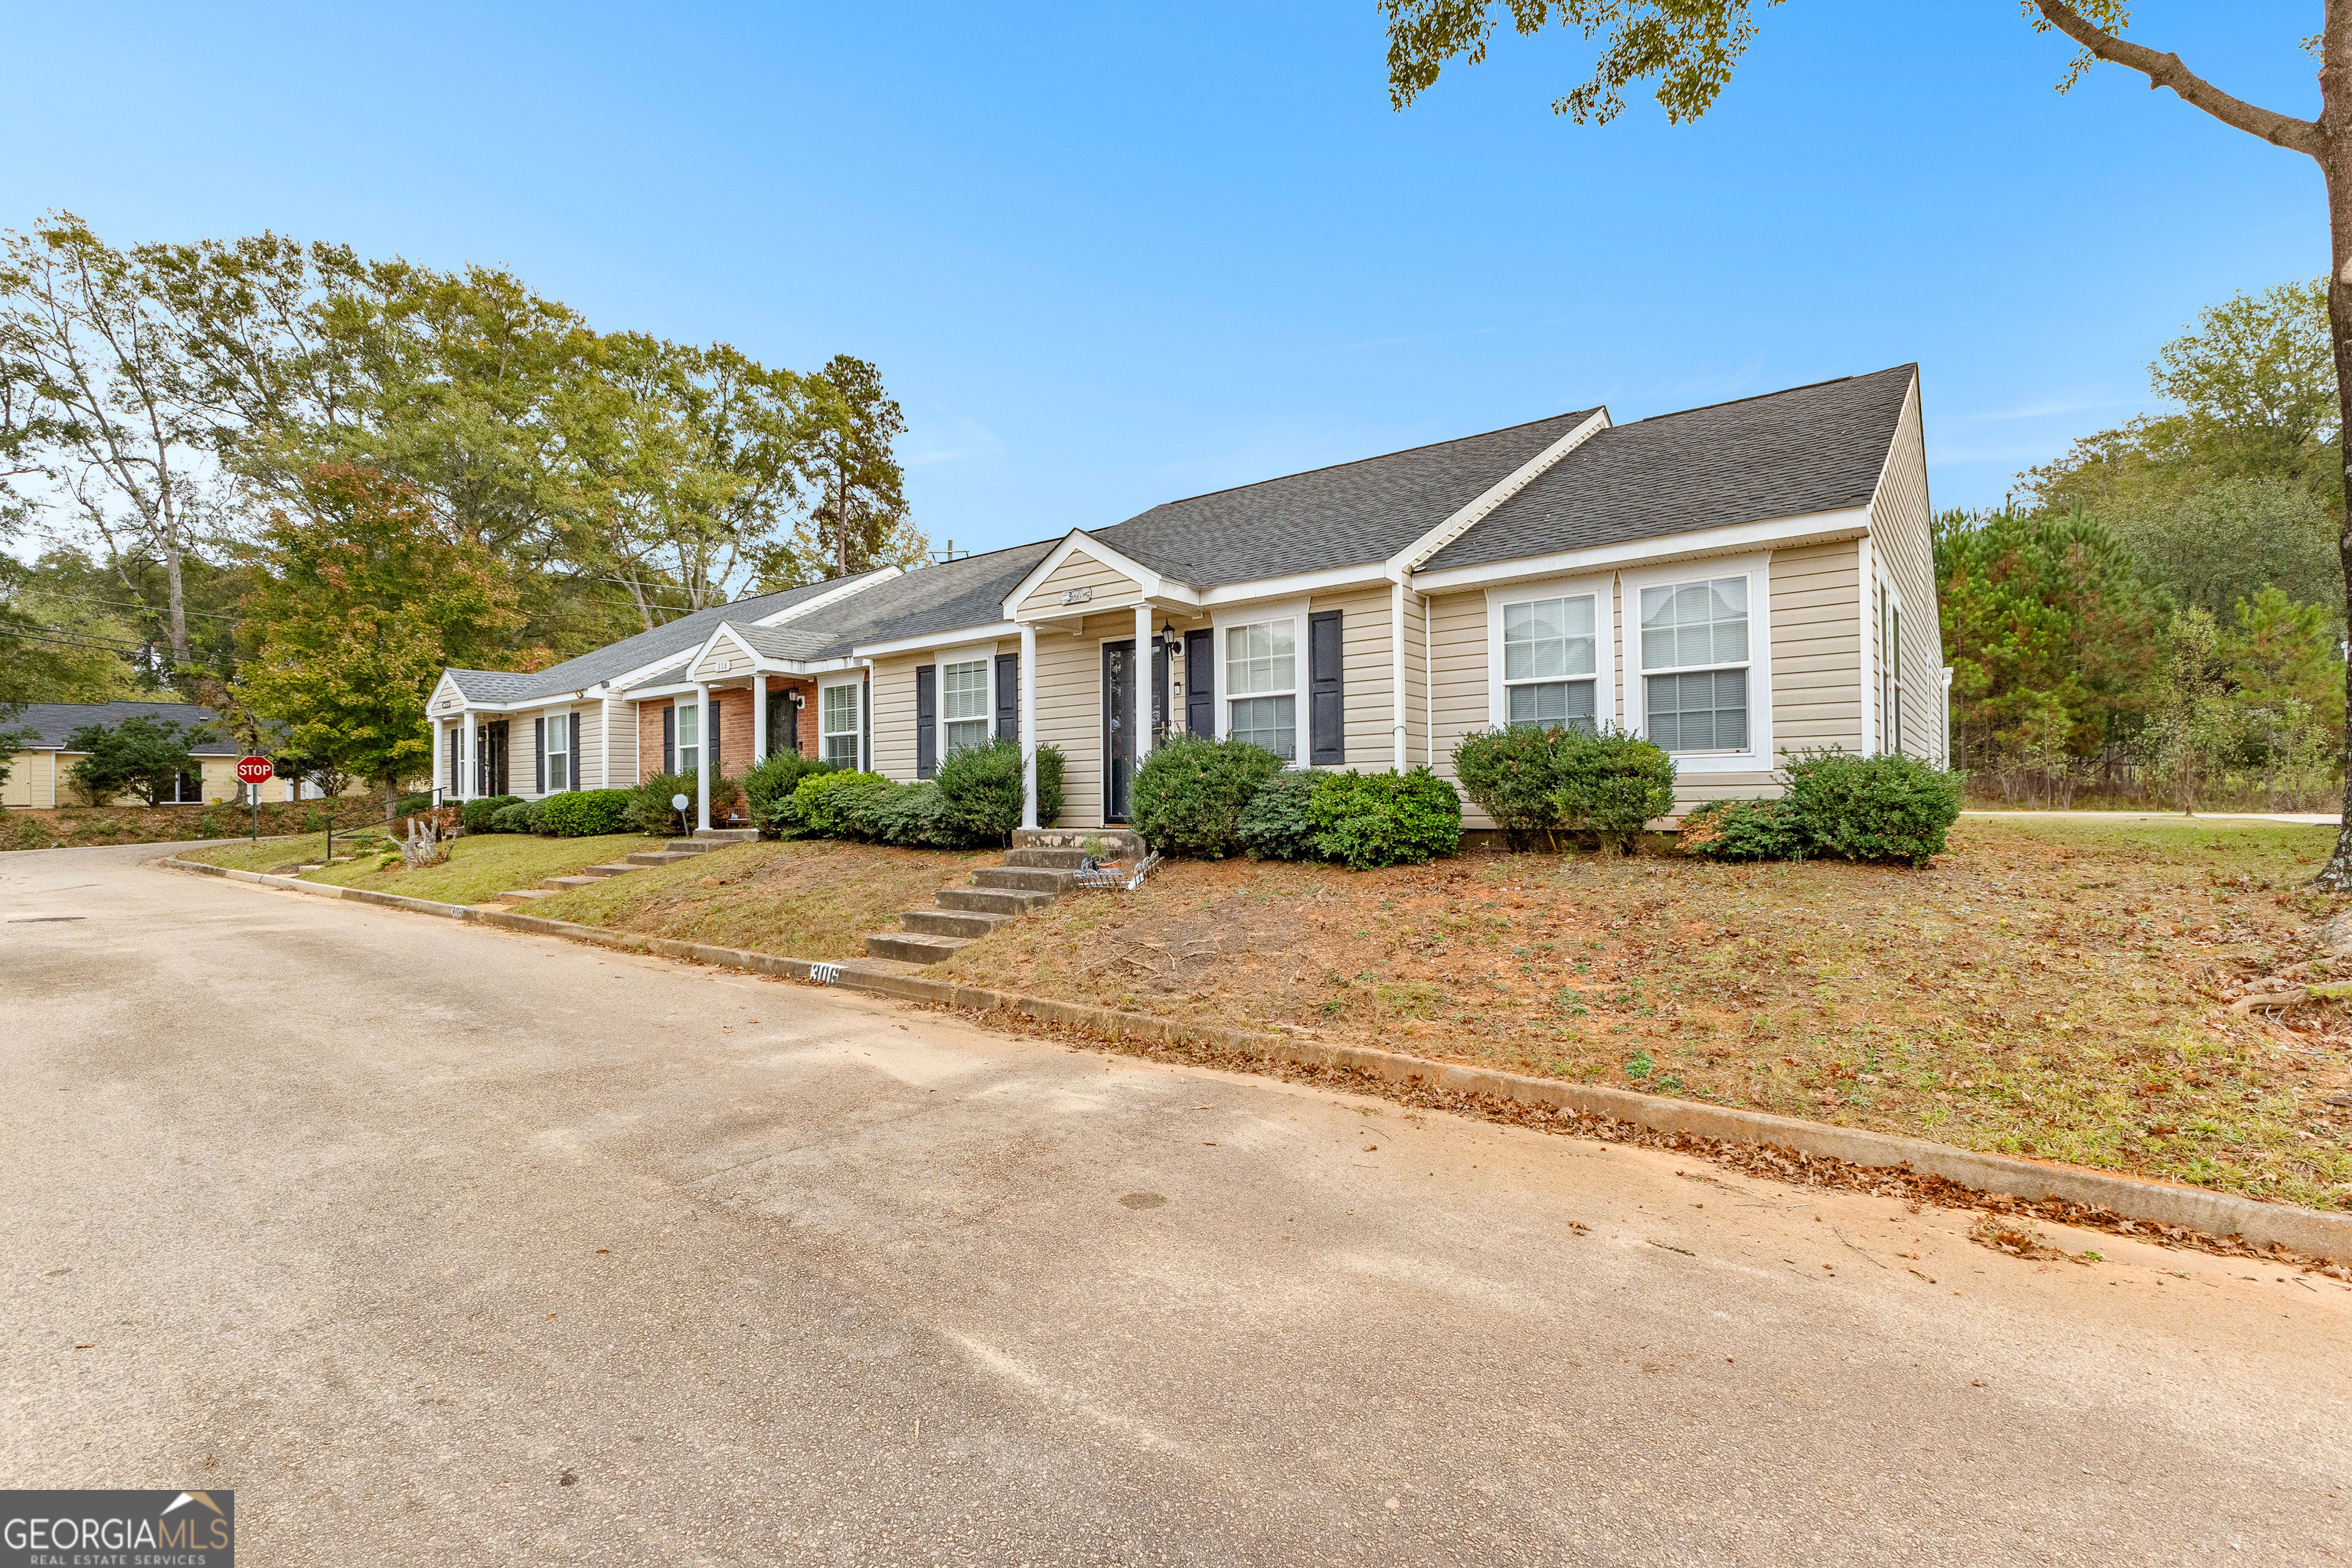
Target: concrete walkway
[(449, 1245)]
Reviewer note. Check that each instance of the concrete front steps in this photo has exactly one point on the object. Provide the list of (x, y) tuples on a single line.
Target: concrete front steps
[(1038, 869), (671, 854)]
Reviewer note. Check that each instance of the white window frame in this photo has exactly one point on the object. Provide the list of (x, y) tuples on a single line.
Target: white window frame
[(1890, 667), (688, 707), (548, 752), (856, 729), (1758, 570), (1604, 638), (1225, 619), (982, 654)]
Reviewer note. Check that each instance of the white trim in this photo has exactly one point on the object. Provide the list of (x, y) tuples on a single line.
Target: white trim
[(982, 654), (1150, 583), (1812, 528), (1397, 727), (1327, 580), (857, 732), (1759, 756), (1028, 721), (1225, 617), (952, 636), (1864, 577), (703, 749), (724, 631), (1511, 484), (1605, 641), (571, 764), (850, 586)]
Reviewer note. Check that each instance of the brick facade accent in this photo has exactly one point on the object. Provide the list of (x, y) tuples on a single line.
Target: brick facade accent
[(734, 725)]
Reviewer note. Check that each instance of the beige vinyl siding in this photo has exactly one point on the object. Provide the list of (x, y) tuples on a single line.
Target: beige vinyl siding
[(1817, 619), (723, 659), (1457, 681), (1112, 588), (1900, 538), (893, 691), (588, 767), (1069, 709), (1365, 679), (622, 716), (32, 780)]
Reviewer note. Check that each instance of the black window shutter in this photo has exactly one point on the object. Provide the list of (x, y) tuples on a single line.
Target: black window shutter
[(539, 743), (669, 739), (1008, 696), (710, 739), (573, 765), (1201, 684), (1326, 703), (927, 712)]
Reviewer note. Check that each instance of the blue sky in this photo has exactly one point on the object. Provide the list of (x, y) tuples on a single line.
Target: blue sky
[(1106, 256)]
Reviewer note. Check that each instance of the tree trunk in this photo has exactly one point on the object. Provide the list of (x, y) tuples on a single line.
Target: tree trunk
[(2336, 168)]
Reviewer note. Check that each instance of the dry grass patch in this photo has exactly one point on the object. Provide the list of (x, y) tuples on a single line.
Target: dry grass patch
[(2048, 988), (810, 898)]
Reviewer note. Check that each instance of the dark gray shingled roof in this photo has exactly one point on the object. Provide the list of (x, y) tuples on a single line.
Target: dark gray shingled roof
[(681, 635), (947, 597), (51, 722), (1808, 449), (1340, 516)]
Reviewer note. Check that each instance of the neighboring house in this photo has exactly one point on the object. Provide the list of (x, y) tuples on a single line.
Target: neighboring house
[(1735, 582), (42, 773)]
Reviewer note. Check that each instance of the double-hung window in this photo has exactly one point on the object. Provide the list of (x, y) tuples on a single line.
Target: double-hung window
[(1262, 686), (964, 716), (690, 736), (1550, 663), (559, 752), (1694, 665), (1890, 680), (837, 722)]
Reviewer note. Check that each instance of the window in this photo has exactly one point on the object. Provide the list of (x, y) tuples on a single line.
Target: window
[(964, 706), (690, 738), (1550, 654), (559, 752), (1890, 675), (1262, 686), (1694, 664), (839, 724)]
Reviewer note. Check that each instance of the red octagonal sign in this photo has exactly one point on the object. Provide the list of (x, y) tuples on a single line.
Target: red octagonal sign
[(253, 770)]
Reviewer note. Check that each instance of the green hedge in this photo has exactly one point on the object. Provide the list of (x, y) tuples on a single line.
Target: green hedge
[(479, 815), (1367, 820), (769, 785), (651, 807), (1834, 804), (1541, 786), (982, 793), (1189, 795), (520, 817), (828, 805), (1278, 823), (587, 813)]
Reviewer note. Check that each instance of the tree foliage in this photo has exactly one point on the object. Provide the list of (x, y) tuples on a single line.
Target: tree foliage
[(142, 754)]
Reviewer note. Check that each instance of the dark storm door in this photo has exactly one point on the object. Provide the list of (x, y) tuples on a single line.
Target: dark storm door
[(784, 724), (493, 756), (1119, 727)]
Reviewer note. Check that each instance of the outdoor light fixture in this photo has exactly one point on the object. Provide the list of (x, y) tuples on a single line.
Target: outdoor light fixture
[(1168, 639), (799, 699)]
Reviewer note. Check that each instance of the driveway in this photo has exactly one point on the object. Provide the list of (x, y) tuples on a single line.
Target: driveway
[(441, 1243)]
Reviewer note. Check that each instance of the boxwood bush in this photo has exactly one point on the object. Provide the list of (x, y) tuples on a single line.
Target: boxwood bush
[(1278, 823), (479, 815), (586, 813), (982, 793), (829, 805), (769, 785), (1366, 820), (1744, 830), (1191, 793), (1543, 786), (1895, 810)]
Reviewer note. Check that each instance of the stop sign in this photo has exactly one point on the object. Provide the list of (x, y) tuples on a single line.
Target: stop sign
[(253, 770)]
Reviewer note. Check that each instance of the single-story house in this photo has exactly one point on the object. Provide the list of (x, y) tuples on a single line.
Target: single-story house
[(40, 774), (1735, 582)]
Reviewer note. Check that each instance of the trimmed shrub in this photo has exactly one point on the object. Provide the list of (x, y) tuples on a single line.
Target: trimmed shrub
[(479, 816), (410, 804), (1508, 774), (651, 807), (1745, 830), (1893, 809), (1049, 785), (1278, 823), (981, 793), (913, 816), (829, 805), (769, 785), (1191, 793), (1609, 784), (587, 813), (1368, 820), (515, 818)]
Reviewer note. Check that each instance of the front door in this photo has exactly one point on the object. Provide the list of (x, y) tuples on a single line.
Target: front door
[(1118, 719), (784, 724)]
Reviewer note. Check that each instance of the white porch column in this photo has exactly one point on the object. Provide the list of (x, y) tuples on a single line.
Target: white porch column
[(759, 717), (1143, 694), (437, 774), (468, 746), (1028, 725), (702, 753), (1396, 676)]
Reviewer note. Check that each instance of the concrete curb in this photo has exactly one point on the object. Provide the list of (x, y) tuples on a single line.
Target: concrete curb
[(2307, 1231)]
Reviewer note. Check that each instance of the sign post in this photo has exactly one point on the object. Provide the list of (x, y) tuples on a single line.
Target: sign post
[(253, 773)]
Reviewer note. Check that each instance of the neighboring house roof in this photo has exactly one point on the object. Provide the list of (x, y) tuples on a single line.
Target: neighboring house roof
[(52, 721), (1808, 449), (951, 595), (680, 636), (1340, 516)]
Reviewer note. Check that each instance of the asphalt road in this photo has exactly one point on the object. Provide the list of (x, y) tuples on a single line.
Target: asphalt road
[(449, 1245)]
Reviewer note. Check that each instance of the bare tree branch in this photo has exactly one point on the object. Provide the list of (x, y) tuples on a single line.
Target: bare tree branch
[(2166, 70)]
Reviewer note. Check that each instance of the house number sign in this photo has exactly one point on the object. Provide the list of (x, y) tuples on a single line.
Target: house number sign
[(1076, 595)]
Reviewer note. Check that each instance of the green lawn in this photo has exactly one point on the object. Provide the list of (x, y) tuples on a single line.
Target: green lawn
[(480, 865), (276, 853)]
